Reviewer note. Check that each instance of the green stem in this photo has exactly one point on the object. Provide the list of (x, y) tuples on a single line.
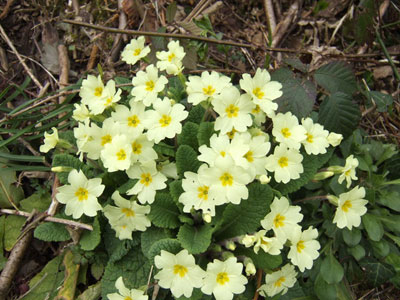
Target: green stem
[(385, 51)]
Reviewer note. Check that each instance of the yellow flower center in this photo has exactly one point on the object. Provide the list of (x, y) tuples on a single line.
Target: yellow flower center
[(209, 91), (128, 212), (181, 270), (279, 282), (232, 111), (123, 226), (300, 246), (231, 133), (149, 85), (263, 242), (165, 120), (171, 57), (146, 179), (226, 179), (257, 92), (106, 139), (137, 52), (203, 192), (108, 101), (249, 156), (121, 154), (279, 221), (127, 297), (133, 121), (98, 91), (136, 148), (347, 173), (222, 278), (346, 205), (256, 110), (223, 153), (310, 138), (283, 162), (286, 132), (82, 194)]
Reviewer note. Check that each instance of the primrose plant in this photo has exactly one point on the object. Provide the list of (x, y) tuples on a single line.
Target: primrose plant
[(192, 174)]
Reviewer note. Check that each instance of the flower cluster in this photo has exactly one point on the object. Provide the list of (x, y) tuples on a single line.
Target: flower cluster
[(181, 275), (122, 135)]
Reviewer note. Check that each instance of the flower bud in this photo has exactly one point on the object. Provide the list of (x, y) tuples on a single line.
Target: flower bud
[(323, 175), (230, 245), (250, 267), (333, 199), (264, 179), (335, 139), (207, 218), (248, 240)]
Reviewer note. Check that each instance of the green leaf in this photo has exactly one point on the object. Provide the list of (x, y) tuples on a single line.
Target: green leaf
[(261, 260), (176, 90), (336, 77), (381, 249), (67, 160), (117, 248), (311, 164), (175, 189), (245, 218), (170, 245), (391, 222), (196, 295), (390, 197), (339, 114), (93, 292), (331, 270), (90, 239), (373, 226), (206, 130), (376, 272), (351, 237), (381, 100), (295, 293), (189, 135), (13, 226), (51, 232), (298, 96), (164, 149), (196, 114), (38, 201), (134, 269), (358, 252), (150, 236), (127, 186), (324, 290), (186, 160), (189, 61), (164, 213), (9, 191), (195, 239), (171, 11), (46, 283)]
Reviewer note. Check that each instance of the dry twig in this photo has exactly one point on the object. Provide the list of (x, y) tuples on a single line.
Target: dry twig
[(10, 44), (6, 9), (270, 15)]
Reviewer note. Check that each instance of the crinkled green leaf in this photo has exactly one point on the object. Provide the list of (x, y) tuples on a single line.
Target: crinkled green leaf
[(358, 252), (261, 260), (13, 227), (323, 289), (170, 245), (175, 189), (124, 80), (9, 191), (311, 164), (45, 284), (90, 239), (151, 236), (67, 160), (390, 197), (195, 239), (164, 212), (206, 130), (117, 248), (376, 272), (176, 90), (93, 292), (339, 114), (196, 114), (373, 226), (331, 270), (351, 237), (380, 249), (51, 232), (298, 96), (134, 269), (381, 100), (164, 149), (189, 135), (38, 201), (186, 160), (245, 218), (336, 77)]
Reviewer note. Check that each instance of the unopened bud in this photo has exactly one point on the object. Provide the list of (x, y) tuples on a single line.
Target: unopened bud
[(60, 169), (230, 245), (226, 255), (335, 169), (264, 179), (333, 199), (250, 267), (335, 139), (248, 240), (323, 175), (207, 218)]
